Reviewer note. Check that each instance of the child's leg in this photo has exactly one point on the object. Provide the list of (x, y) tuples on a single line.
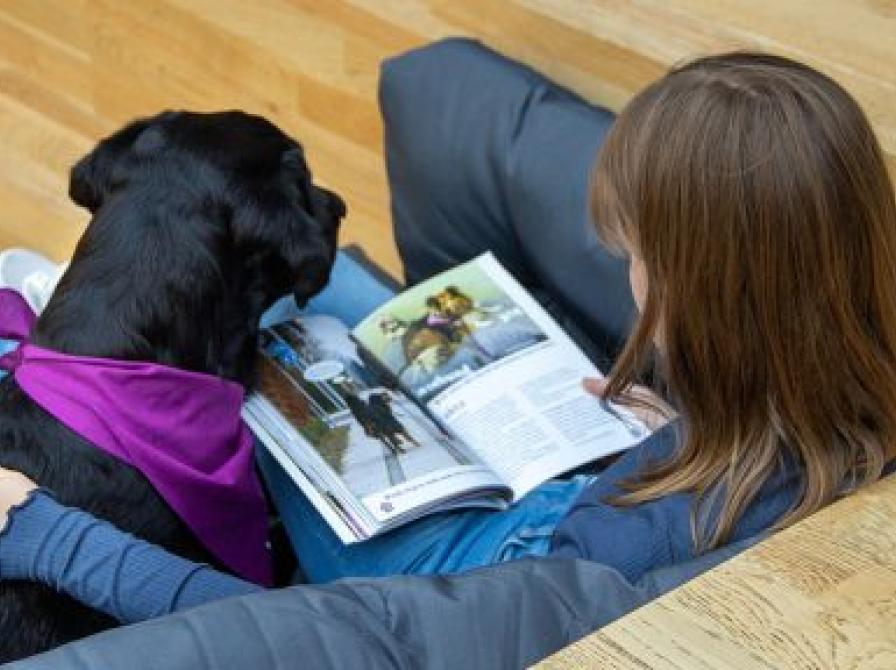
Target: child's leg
[(443, 543), (351, 294)]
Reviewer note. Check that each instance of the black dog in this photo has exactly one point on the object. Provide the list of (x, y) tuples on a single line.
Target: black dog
[(200, 221)]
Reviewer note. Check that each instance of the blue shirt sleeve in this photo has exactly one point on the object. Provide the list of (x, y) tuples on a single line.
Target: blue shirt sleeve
[(654, 534), (102, 567)]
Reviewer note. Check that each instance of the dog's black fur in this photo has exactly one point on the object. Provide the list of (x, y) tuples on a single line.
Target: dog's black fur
[(200, 221)]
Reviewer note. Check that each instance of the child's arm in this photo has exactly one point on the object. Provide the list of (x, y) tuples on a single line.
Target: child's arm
[(97, 564)]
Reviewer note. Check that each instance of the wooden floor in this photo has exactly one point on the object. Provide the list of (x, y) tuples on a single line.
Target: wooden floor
[(820, 596), (73, 70)]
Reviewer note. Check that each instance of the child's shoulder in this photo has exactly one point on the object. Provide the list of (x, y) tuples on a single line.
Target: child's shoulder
[(656, 448), (656, 533)]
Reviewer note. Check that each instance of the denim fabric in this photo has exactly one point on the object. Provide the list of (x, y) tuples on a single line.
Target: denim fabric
[(5, 346), (351, 295), (440, 544)]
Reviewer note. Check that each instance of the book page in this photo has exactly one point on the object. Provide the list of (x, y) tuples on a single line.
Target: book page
[(263, 420), (367, 449), (497, 370)]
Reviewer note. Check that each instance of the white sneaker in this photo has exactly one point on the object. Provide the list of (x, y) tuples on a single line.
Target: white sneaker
[(32, 274)]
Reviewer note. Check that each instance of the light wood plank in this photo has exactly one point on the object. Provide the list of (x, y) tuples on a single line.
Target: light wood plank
[(312, 67), (821, 594)]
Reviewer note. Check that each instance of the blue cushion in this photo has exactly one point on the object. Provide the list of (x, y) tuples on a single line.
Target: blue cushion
[(483, 153)]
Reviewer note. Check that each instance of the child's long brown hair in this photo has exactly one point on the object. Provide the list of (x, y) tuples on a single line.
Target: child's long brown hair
[(754, 191)]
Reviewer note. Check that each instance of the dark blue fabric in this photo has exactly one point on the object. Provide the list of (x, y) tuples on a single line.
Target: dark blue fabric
[(451, 111), (482, 154), (661, 529), (97, 564), (509, 616), (549, 175)]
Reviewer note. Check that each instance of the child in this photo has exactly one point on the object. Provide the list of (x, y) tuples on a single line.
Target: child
[(752, 199)]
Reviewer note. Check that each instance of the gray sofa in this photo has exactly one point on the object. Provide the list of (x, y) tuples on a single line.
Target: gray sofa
[(493, 156), (508, 616)]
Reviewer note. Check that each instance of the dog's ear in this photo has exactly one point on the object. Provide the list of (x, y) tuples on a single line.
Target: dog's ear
[(288, 233), (112, 164), (284, 249)]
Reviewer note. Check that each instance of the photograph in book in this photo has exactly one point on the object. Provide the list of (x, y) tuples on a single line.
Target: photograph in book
[(446, 329), (372, 437)]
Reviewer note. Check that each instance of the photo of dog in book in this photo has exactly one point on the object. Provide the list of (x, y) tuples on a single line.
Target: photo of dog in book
[(448, 328), (199, 223), (372, 437)]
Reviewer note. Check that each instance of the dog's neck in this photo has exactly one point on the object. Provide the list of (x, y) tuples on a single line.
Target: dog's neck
[(219, 336)]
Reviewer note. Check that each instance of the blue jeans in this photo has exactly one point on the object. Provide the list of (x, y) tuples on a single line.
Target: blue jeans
[(442, 543), (5, 346)]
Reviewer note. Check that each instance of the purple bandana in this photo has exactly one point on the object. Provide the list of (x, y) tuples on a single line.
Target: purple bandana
[(182, 430)]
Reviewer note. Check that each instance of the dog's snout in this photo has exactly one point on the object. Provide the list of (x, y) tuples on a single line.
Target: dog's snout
[(313, 276), (337, 206), (333, 204)]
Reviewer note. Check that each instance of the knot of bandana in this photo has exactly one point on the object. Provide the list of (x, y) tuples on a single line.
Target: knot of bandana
[(16, 321), (182, 430)]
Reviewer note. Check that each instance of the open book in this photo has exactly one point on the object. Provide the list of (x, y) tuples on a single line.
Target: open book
[(459, 392)]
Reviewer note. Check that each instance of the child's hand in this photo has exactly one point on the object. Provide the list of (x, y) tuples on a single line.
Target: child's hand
[(14, 489), (652, 410)]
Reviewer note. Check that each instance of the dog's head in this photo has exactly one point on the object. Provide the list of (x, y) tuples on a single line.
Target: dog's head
[(450, 302), (391, 327), (256, 174), (198, 218)]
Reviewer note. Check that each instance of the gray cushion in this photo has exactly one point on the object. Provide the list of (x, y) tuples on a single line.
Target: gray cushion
[(506, 616), (484, 153)]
